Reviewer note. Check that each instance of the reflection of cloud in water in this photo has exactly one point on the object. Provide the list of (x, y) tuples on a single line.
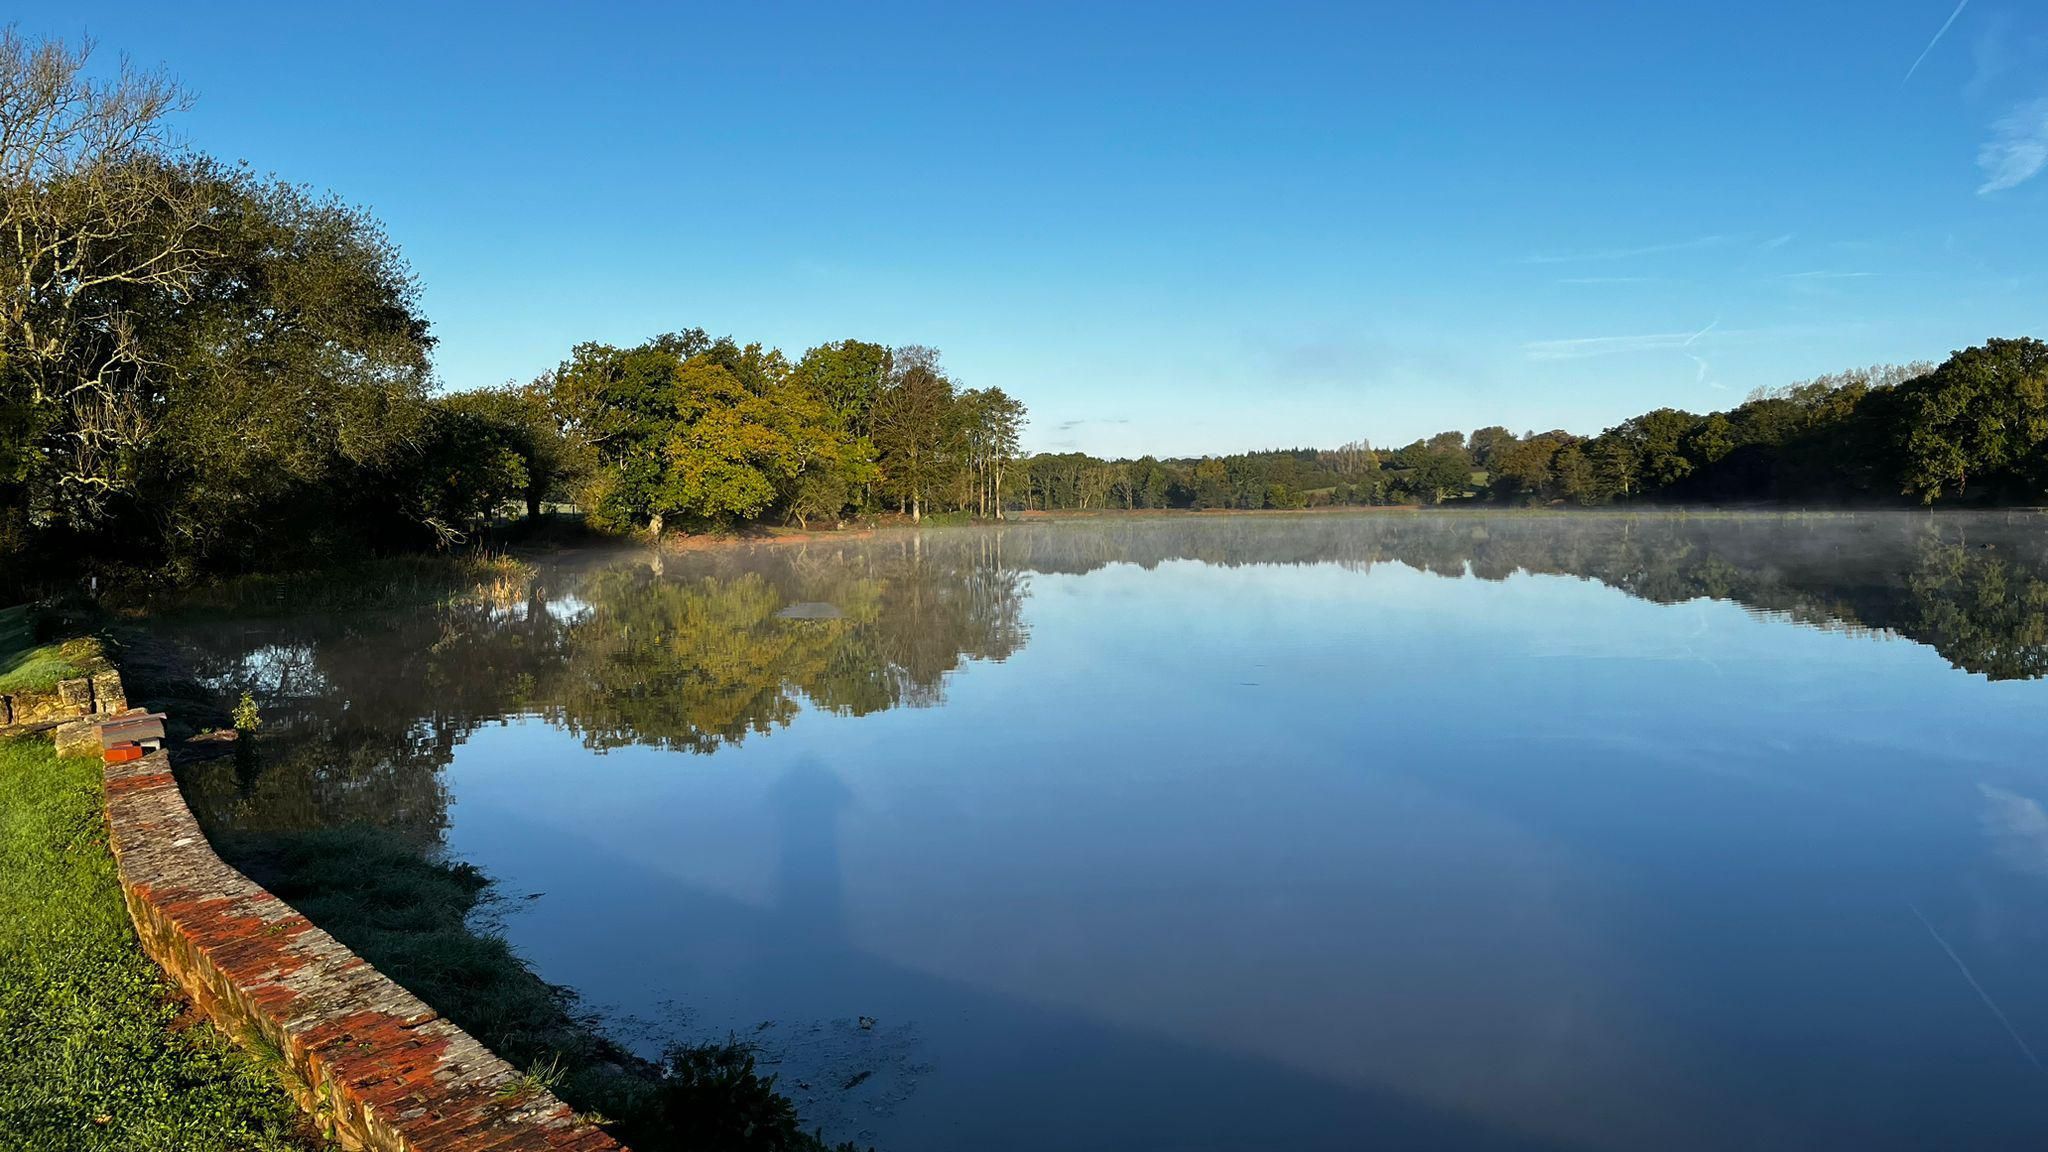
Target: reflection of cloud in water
[(2018, 829)]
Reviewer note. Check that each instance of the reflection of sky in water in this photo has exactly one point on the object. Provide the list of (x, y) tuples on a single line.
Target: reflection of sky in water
[(567, 608), (273, 670), (1304, 856)]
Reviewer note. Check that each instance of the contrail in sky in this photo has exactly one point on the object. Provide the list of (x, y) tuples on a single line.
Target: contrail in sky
[(1937, 39)]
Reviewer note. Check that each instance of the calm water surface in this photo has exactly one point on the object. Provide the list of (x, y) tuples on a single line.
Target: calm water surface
[(1455, 832)]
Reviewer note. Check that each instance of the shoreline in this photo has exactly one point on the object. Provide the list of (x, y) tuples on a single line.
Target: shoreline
[(778, 536)]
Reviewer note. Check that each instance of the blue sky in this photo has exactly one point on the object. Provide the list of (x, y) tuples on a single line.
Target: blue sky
[(1180, 228)]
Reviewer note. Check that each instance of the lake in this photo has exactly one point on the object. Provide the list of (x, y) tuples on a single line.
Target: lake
[(1214, 832)]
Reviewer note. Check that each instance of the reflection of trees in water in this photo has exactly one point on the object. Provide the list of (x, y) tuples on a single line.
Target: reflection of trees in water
[(1973, 587), (691, 653), (361, 713), (1983, 611), (699, 656)]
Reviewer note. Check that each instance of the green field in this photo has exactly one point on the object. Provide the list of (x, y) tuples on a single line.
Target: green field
[(96, 1054)]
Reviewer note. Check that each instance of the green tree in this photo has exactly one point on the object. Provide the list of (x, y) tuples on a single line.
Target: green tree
[(295, 374), (917, 428), (1212, 484), (734, 452), (849, 375), (992, 421), (620, 406), (523, 417), (1486, 445), (103, 228), (470, 466), (1983, 411), (1439, 472)]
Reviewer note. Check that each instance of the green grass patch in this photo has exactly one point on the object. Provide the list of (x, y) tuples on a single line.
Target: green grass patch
[(37, 668), (96, 1056)]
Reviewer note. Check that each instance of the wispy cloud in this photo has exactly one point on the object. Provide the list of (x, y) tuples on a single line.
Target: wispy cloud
[(2018, 148), (1943, 31), (1990, 56), (1775, 243), (1625, 253)]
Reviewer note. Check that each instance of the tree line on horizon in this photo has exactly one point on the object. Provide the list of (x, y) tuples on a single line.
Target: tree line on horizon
[(203, 371), (1973, 430)]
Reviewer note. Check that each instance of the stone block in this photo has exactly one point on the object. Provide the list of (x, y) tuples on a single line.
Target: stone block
[(108, 696), (76, 695), (78, 738)]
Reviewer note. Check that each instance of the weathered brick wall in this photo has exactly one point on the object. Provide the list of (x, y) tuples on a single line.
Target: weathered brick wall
[(377, 1068)]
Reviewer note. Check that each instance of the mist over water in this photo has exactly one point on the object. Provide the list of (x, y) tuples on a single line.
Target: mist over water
[(1329, 831)]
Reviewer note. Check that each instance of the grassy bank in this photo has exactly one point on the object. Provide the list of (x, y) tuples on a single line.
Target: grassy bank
[(96, 1054), (414, 919), (38, 667)]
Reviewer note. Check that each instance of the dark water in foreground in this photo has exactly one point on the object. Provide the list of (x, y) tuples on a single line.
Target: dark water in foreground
[(1320, 832)]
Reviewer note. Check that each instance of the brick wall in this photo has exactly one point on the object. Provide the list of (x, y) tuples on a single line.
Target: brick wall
[(377, 1068)]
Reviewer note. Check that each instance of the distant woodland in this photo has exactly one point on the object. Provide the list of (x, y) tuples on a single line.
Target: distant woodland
[(207, 371)]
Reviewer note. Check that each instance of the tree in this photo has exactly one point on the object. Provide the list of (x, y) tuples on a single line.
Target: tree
[(748, 440), (916, 428), (1212, 484), (1525, 470), (1573, 475), (470, 466), (1439, 472), (992, 422), (849, 375), (620, 406), (102, 227), (1487, 444), (292, 377), (524, 418), (1983, 411), (221, 366), (1353, 459)]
